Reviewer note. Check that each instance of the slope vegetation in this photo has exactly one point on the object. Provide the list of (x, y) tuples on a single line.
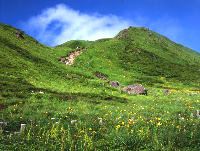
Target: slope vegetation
[(74, 107), (140, 55)]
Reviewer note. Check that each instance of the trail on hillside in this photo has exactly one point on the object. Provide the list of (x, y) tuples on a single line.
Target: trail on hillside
[(70, 59)]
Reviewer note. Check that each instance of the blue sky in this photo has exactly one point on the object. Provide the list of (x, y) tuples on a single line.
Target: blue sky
[(55, 21)]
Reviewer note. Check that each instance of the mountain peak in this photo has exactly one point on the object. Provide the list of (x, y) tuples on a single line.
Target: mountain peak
[(126, 33)]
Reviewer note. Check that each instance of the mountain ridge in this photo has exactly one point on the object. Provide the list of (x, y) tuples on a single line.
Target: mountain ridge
[(142, 52)]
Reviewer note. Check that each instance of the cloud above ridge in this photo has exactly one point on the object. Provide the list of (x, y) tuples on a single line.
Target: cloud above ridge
[(58, 24)]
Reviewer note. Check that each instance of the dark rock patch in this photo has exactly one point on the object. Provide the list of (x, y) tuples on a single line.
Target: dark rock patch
[(19, 34), (114, 84), (101, 75), (2, 106), (166, 91)]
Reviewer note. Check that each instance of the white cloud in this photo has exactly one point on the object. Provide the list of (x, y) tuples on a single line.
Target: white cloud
[(59, 24)]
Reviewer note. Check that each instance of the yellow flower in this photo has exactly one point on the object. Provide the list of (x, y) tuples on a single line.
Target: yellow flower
[(90, 129), (159, 124), (131, 121), (178, 127), (117, 127), (123, 123)]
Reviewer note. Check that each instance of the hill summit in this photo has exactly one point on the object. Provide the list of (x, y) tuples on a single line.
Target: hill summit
[(142, 55)]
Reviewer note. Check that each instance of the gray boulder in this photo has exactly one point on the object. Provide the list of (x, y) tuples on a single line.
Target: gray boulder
[(135, 89)]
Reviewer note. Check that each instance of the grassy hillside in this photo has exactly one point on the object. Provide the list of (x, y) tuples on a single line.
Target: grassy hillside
[(142, 56), (69, 108)]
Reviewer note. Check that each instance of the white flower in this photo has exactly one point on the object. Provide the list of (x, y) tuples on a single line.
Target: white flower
[(41, 92), (22, 128), (198, 113), (73, 121), (100, 121)]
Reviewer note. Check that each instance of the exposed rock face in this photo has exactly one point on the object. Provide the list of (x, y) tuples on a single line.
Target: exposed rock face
[(62, 59), (72, 56), (19, 34), (3, 124), (69, 60), (122, 34), (135, 89), (101, 75), (166, 91), (196, 114), (114, 83)]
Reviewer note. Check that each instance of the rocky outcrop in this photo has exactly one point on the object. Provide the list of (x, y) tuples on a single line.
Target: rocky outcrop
[(101, 75), (114, 84), (2, 106), (19, 34), (135, 89), (69, 60)]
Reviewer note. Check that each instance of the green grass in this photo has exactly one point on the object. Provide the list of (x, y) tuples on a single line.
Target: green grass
[(38, 90)]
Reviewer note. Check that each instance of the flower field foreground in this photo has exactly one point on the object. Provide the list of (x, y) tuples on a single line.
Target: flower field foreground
[(143, 123)]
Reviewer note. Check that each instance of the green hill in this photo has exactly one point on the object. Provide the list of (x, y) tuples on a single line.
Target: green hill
[(36, 88), (142, 56)]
